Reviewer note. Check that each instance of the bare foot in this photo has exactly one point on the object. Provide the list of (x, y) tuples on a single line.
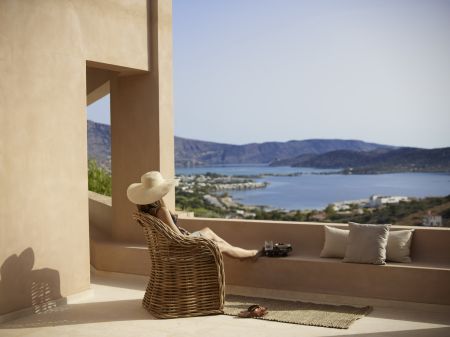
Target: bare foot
[(240, 253)]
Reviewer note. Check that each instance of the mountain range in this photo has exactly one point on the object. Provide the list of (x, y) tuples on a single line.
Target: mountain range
[(99, 143), (190, 152), (354, 155), (403, 159)]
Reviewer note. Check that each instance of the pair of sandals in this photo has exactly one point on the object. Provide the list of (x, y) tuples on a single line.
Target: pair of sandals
[(253, 311)]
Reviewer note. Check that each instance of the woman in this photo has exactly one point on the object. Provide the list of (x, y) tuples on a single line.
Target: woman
[(148, 194)]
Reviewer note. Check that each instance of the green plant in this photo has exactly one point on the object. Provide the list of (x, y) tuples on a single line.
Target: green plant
[(99, 180)]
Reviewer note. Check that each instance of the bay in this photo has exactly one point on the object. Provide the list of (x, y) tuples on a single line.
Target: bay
[(311, 190)]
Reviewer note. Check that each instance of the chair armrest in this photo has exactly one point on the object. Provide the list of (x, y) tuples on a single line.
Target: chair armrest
[(185, 246), (201, 246)]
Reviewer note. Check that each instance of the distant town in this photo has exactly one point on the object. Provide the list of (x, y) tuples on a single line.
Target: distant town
[(207, 195)]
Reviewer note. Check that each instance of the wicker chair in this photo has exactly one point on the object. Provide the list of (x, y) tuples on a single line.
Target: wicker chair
[(187, 276)]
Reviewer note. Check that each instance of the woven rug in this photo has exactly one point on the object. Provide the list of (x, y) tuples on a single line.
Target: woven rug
[(324, 315)]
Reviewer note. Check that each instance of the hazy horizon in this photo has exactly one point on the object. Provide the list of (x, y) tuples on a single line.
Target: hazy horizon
[(259, 71), (289, 140)]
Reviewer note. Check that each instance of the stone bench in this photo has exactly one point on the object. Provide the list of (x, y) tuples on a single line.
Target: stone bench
[(425, 280)]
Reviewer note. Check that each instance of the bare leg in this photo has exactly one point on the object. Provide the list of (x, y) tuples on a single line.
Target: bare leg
[(225, 247)]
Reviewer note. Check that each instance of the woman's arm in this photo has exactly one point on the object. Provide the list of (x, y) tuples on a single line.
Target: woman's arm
[(164, 215)]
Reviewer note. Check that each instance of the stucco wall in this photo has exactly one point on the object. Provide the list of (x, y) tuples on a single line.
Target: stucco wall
[(44, 46), (142, 124)]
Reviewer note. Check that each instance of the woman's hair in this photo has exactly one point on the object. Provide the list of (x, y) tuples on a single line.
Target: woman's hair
[(153, 208), (149, 208)]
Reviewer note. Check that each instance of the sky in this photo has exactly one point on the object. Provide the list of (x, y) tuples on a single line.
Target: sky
[(279, 70)]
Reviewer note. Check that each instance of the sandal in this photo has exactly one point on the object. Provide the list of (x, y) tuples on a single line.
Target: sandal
[(253, 311)]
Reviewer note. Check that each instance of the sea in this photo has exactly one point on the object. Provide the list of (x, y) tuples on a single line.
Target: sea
[(312, 189)]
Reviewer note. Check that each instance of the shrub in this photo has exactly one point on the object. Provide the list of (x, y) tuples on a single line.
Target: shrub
[(99, 180)]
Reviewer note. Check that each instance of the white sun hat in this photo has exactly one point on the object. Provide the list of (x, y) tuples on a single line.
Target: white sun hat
[(152, 187)]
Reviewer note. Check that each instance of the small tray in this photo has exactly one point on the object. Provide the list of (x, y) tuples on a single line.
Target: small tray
[(279, 250)]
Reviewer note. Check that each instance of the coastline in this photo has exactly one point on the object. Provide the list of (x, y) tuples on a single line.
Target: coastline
[(324, 170), (252, 192)]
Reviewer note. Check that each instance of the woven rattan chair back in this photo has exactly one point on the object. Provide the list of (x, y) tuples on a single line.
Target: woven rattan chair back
[(187, 275)]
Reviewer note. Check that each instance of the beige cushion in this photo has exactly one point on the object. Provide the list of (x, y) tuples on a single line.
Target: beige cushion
[(398, 245), (367, 243), (398, 248), (335, 242)]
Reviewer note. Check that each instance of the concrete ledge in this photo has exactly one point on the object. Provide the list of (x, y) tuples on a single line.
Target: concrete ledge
[(429, 244), (136, 280), (426, 280), (120, 257), (100, 213), (412, 283), (423, 283)]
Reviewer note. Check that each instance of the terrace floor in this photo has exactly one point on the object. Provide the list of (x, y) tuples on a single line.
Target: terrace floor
[(113, 308)]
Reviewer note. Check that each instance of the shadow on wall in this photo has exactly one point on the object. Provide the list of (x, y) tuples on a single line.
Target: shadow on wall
[(22, 287)]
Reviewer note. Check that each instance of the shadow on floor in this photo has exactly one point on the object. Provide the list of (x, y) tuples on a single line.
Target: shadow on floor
[(84, 313), (412, 315), (432, 332)]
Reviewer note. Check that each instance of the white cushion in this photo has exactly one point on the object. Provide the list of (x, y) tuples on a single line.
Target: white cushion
[(398, 245), (398, 248), (335, 242)]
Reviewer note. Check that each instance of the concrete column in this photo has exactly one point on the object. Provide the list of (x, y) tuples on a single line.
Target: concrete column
[(142, 123)]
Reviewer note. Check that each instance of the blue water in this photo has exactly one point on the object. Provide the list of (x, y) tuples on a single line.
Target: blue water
[(310, 191)]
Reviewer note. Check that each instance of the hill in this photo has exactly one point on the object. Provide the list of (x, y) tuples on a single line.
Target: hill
[(377, 161), (99, 143), (190, 152), (351, 155)]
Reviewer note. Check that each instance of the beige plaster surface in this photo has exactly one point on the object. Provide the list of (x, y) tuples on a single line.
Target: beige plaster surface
[(45, 47), (115, 310), (100, 214), (142, 124)]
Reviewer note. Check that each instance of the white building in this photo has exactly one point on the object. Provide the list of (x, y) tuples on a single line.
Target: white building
[(377, 201), (432, 221), (342, 206), (339, 207)]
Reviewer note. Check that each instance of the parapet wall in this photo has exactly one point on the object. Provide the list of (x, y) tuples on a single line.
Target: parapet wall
[(429, 244), (303, 271)]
